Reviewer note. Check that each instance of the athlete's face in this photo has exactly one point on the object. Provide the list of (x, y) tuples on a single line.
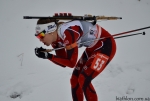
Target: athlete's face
[(47, 39)]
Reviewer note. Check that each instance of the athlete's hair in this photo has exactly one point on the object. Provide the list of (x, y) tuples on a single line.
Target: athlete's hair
[(45, 21)]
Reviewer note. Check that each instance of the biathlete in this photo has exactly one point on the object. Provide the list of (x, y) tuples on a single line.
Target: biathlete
[(95, 58)]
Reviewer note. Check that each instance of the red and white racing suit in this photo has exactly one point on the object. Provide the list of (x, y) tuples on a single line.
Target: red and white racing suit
[(93, 61)]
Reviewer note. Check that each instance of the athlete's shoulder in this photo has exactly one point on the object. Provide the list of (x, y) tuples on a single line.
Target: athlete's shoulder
[(67, 26)]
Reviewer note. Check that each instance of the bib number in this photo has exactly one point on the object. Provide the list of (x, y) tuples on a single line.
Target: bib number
[(99, 62)]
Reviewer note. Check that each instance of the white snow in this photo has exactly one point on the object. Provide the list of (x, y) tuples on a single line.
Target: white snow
[(126, 78)]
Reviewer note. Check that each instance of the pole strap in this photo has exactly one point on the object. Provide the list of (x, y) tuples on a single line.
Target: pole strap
[(71, 46)]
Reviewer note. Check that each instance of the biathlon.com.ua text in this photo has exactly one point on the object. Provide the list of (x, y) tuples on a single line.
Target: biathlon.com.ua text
[(125, 98)]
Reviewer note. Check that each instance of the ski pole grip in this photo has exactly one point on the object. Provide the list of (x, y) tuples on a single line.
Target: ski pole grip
[(47, 50)]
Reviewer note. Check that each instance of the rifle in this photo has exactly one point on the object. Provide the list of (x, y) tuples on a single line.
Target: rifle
[(69, 16)]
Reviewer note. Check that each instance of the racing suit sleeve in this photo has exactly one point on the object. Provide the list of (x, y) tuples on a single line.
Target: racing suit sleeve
[(72, 34), (60, 53)]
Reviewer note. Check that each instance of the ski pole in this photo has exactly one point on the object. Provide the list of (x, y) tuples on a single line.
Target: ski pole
[(131, 31), (129, 35), (50, 50), (127, 32)]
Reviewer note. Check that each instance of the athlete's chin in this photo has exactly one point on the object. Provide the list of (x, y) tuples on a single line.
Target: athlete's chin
[(46, 44)]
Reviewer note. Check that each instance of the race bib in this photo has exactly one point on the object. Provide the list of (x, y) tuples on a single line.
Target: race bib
[(99, 62)]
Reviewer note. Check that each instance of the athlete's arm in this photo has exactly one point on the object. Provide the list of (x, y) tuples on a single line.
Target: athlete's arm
[(72, 34), (61, 53)]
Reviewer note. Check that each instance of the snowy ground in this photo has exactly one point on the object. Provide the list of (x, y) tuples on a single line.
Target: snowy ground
[(34, 79)]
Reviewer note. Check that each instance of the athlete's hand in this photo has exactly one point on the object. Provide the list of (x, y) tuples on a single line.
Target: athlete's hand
[(41, 53)]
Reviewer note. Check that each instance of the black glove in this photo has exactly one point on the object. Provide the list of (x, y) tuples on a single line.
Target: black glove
[(39, 52)]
